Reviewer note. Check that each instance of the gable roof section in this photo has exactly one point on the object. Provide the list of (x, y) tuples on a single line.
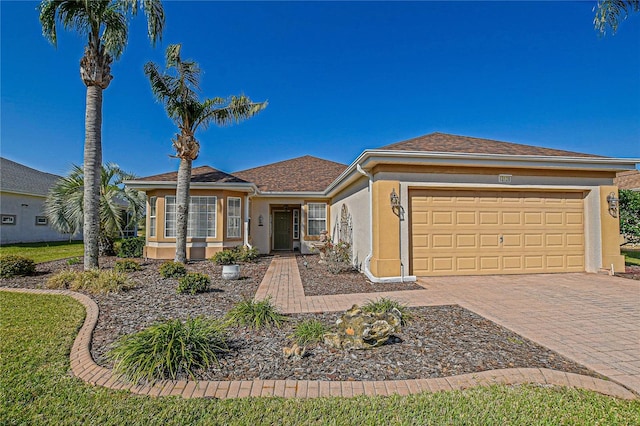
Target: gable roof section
[(442, 142), (628, 180), (20, 179), (202, 174), (302, 174)]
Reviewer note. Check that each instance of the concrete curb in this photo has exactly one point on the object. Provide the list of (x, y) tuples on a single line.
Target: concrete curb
[(84, 367)]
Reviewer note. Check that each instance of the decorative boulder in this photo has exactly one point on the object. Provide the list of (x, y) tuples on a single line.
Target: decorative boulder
[(363, 330)]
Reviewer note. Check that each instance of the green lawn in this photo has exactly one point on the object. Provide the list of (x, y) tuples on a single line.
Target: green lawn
[(631, 257), (36, 387), (45, 252)]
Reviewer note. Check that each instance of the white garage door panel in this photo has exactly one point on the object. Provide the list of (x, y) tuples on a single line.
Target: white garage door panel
[(489, 232)]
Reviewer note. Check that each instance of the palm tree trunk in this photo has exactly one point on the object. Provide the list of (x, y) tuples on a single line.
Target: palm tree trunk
[(182, 209), (92, 169)]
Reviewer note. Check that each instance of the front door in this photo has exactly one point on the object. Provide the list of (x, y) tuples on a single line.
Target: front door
[(282, 231)]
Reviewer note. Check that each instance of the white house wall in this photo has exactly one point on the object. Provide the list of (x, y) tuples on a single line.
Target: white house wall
[(356, 198), (25, 208)]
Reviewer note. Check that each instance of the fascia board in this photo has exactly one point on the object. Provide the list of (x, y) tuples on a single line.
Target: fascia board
[(291, 195), (370, 158), (30, 194), (149, 185)]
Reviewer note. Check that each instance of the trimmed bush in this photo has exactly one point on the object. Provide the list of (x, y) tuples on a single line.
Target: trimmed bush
[(173, 270), (309, 331), (255, 314), (384, 304), (194, 282), (169, 349), (239, 254), (93, 281), (16, 266), (126, 265), (131, 247)]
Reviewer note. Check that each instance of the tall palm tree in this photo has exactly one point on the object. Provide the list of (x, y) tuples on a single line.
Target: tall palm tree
[(177, 88), (104, 23), (65, 204), (609, 13)]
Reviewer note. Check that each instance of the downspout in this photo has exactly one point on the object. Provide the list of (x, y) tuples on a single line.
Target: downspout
[(367, 259), (246, 216)]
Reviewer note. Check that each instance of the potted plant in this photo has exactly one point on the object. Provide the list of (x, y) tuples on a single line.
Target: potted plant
[(229, 260)]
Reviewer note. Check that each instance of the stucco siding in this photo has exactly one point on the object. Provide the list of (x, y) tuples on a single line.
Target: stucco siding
[(26, 208)]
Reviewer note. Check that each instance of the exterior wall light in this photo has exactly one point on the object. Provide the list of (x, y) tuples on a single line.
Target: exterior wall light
[(612, 200), (260, 221), (395, 200)]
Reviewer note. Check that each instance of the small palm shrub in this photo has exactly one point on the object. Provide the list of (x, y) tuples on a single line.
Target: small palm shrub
[(126, 265), (169, 349), (239, 254), (309, 331), (194, 282), (93, 281), (16, 266), (173, 270), (384, 304), (131, 247), (255, 314)]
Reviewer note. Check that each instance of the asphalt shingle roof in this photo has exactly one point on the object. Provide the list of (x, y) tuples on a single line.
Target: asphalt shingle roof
[(442, 142), (198, 174), (302, 174), (15, 177)]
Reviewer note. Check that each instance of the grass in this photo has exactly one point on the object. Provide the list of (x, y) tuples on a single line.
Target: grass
[(631, 257), (36, 388), (45, 252), (255, 314)]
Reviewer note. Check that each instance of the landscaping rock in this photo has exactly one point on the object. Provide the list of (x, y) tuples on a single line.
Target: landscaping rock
[(364, 330)]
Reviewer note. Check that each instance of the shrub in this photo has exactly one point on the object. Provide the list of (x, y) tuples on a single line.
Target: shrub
[(73, 261), (255, 314), (173, 270), (168, 349), (309, 331), (194, 282), (131, 247), (630, 215), (239, 254), (384, 304), (16, 266), (93, 281), (126, 265), (336, 256)]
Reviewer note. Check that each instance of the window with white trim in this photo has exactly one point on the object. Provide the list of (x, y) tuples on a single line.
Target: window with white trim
[(152, 216), (202, 217), (234, 217), (316, 218)]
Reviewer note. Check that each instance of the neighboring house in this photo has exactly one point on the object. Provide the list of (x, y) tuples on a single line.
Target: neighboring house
[(23, 191), (435, 205), (628, 180)]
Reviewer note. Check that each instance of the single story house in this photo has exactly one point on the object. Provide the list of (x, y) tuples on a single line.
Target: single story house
[(438, 204), (23, 191)]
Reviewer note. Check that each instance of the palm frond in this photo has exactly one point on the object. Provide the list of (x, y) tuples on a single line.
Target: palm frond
[(609, 13), (116, 31)]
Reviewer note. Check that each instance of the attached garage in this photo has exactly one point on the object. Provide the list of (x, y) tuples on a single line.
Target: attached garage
[(483, 232)]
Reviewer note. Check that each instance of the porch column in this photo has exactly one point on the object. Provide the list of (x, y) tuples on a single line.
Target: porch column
[(385, 257), (610, 231)]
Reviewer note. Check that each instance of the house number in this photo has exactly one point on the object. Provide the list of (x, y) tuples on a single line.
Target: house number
[(504, 178)]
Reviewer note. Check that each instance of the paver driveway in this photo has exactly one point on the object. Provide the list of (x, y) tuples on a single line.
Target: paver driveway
[(590, 318)]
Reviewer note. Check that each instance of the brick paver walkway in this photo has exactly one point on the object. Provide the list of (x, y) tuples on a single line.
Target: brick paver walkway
[(593, 306)]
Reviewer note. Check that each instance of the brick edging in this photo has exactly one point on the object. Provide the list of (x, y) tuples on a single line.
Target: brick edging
[(84, 367)]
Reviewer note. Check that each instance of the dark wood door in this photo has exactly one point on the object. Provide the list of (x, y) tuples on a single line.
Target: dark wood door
[(282, 224)]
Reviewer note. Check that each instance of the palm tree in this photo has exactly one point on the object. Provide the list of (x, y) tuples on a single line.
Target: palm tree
[(65, 204), (178, 89), (104, 23), (609, 12)]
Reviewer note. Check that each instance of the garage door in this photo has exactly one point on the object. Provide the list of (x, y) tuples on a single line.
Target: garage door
[(495, 232)]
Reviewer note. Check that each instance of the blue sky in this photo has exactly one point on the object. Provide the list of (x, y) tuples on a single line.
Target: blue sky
[(339, 78)]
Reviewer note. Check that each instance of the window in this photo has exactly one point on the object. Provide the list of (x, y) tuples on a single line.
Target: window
[(152, 216), (316, 218), (202, 217), (42, 221), (234, 217), (8, 219), (296, 224)]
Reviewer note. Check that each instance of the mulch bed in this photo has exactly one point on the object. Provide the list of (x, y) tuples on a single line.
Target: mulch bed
[(318, 281), (439, 341), (631, 272)]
